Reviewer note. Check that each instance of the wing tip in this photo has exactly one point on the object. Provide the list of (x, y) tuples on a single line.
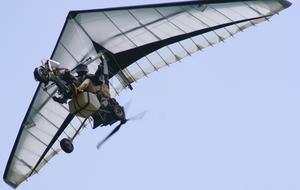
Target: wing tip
[(286, 3), (72, 14), (13, 185)]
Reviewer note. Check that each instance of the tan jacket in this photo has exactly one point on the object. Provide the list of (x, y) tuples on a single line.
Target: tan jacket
[(88, 86)]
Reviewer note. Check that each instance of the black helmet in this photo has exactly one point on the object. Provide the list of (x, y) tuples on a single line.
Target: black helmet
[(82, 69), (41, 74)]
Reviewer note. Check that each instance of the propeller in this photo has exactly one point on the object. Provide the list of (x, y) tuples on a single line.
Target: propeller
[(127, 106), (137, 116), (116, 129), (109, 135)]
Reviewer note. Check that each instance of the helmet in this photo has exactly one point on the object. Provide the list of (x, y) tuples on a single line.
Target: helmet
[(41, 74), (82, 69)]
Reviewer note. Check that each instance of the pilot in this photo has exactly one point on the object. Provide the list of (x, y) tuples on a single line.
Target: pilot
[(96, 83)]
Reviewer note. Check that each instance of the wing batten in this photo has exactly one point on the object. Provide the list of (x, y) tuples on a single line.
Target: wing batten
[(38, 139), (46, 100), (51, 123), (25, 163), (231, 34), (118, 28), (62, 45), (144, 26), (188, 11), (252, 8), (224, 15)]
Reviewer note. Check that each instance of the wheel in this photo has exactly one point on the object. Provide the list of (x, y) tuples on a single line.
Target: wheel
[(41, 74), (66, 145), (119, 112)]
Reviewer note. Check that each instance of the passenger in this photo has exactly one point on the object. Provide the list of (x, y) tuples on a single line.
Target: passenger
[(95, 83)]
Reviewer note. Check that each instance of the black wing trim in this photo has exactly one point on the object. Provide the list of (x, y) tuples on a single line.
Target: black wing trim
[(126, 58)]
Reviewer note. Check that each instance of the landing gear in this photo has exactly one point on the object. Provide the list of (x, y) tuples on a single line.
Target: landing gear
[(66, 145)]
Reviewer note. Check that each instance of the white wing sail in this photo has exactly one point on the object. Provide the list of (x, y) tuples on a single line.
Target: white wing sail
[(138, 41)]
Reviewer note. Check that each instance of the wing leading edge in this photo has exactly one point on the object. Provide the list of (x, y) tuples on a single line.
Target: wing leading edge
[(138, 40)]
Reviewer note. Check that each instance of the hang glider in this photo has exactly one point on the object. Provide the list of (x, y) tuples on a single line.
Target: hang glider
[(138, 40)]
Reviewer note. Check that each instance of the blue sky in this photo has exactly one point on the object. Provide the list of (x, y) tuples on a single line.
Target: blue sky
[(224, 118)]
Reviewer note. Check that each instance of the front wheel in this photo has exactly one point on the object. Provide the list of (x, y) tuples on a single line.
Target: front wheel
[(66, 145)]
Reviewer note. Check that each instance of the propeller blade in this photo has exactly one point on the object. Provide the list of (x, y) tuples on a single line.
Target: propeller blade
[(137, 116), (127, 106), (108, 136), (116, 129)]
